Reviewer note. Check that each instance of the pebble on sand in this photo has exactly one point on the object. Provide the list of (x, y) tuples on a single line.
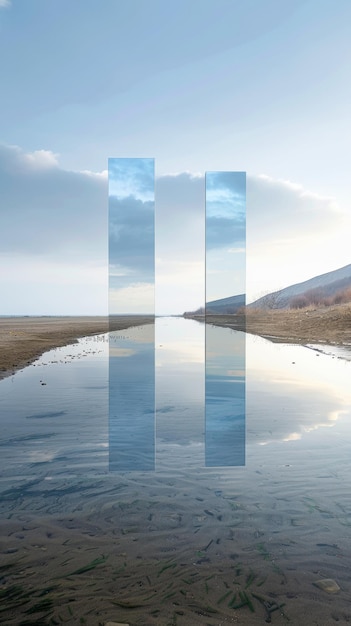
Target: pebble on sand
[(327, 584)]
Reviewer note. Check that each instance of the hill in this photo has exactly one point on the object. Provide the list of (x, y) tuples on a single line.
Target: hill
[(327, 289), (325, 324), (330, 288), (224, 306)]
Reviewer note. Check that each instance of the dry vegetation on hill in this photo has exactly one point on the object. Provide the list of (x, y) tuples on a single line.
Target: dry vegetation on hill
[(320, 297), (322, 324)]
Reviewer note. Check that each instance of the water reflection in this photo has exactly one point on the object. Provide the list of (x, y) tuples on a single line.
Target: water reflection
[(180, 394), (293, 392), (169, 546), (132, 399), (225, 397), (179, 407), (58, 428)]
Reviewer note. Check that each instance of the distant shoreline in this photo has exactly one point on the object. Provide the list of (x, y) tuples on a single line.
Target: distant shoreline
[(325, 325), (24, 339)]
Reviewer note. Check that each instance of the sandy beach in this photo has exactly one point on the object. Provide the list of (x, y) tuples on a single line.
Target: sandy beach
[(24, 339)]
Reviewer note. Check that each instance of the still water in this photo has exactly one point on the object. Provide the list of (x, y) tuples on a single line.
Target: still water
[(168, 534), (167, 409)]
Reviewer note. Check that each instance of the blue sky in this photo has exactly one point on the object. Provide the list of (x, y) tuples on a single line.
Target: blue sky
[(261, 87), (131, 236), (225, 234)]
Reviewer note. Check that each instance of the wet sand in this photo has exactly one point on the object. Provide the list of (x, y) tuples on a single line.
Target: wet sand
[(233, 547), (24, 339)]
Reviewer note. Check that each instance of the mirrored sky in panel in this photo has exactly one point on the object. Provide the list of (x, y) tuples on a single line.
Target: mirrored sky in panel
[(131, 236), (225, 234)]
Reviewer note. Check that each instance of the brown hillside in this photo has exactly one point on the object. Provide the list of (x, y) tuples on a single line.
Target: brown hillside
[(322, 324)]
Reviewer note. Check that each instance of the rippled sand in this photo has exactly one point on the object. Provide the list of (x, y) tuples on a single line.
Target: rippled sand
[(243, 545)]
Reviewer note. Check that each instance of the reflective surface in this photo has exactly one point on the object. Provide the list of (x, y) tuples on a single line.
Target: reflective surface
[(183, 544), (180, 394), (224, 349), (131, 241), (225, 397), (132, 399), (54, 414)]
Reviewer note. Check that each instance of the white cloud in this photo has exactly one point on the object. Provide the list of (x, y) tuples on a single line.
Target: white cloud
[(102, 175), (292, 234), (53, 218), (4, 4), (184, 173), (40, 159), (134, 299), (53, 236), (46, 210)]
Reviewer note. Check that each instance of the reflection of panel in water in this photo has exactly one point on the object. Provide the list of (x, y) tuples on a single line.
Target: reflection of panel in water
[(132, 292), (225, 397), (225, 294), (132, 399)]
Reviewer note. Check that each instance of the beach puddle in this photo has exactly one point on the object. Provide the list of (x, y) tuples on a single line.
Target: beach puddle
[(182, 543)]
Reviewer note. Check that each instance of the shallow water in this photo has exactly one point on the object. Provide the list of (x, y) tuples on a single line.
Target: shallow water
[(179, 543), (224, 397)]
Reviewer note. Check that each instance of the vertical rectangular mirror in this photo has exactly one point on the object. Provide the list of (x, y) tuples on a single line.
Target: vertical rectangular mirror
[(131, 314), (225, 301)]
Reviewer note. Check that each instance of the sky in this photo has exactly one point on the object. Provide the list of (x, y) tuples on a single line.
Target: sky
[(217, 85), (225, 234), (131, 184)]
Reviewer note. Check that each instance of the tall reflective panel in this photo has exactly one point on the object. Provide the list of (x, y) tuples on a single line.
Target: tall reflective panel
[(131, 301), (225, 299)]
